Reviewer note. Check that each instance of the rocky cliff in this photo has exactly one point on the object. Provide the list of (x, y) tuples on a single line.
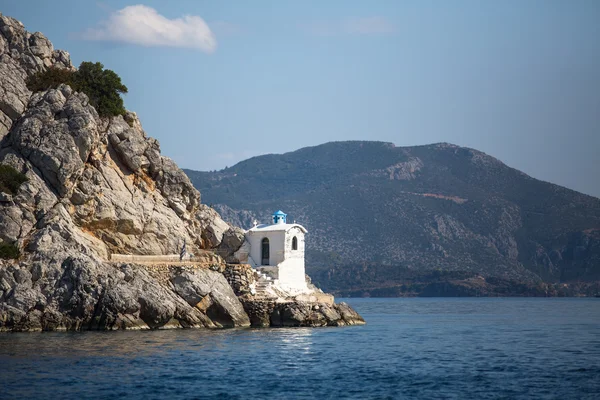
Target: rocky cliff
[(96, 186), (425, 220)]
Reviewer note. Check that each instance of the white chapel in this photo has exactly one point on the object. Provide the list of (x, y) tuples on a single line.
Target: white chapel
[(278, 248)]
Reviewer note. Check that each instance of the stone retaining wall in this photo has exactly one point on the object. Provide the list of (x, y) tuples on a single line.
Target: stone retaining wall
[(259, 311), (206, 257), (240, 277)]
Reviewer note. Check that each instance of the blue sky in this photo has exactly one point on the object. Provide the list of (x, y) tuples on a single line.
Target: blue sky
[(519, 80)]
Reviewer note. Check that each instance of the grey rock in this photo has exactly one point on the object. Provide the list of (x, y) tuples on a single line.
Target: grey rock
[(62, 59), (348, 314), (213, 226), (23, 277), (14, 94), (34, 52), (403, 171), (153, 313), (332, 315), (232, 240), (14, 34), (264, 313), (5, 198), (37, 272), (57, 148), (210, 291), (10, 224), (41, 47)]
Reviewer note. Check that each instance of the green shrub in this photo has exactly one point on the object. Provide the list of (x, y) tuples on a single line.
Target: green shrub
[(10, 179), (50, 79), (102, 86), (9, 251)]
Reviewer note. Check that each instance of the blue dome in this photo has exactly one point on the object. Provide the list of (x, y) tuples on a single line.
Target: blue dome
[(279, 217)]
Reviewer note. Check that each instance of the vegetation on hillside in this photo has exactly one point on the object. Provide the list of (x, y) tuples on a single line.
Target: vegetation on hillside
[(102, 86), (8, 251), (378, 214), (50, 79), (10, 179)]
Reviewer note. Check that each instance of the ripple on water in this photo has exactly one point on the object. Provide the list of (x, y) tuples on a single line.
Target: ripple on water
[(419, 348)]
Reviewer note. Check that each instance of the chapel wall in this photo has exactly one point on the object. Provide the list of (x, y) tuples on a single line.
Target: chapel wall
[(289, 253), (291, 274), (276, 246)]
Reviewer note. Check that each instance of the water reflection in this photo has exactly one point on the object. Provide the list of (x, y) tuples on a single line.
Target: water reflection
[(296, 339)]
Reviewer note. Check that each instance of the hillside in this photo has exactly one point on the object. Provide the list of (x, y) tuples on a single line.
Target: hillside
[(435, 219)]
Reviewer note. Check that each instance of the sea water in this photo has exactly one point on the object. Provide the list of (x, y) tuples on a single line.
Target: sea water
[(434, 348)]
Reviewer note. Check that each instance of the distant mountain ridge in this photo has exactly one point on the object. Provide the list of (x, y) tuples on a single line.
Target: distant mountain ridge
[(387, 220)]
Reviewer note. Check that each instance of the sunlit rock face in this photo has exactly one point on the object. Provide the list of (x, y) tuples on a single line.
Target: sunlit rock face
[(95, 187)]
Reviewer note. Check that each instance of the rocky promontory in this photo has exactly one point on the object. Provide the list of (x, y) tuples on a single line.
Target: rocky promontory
[(96, 186)]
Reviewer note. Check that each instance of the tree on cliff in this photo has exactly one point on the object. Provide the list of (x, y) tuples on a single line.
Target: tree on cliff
[(102, 86)]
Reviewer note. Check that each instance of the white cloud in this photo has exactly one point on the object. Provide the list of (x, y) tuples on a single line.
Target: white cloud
[(142, 25), (351, 26)]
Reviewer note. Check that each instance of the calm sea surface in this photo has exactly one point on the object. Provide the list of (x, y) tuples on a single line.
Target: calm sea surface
[(411, 348)]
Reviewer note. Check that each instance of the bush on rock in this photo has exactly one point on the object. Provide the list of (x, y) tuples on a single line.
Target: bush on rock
[(50, 79), (8, 251), (10, 179), (102, 86)]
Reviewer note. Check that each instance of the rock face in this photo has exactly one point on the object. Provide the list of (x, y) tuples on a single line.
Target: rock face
[(97, 186), (22, 54), (209, 291)]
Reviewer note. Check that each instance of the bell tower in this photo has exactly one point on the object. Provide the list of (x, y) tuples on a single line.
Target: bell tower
[(279, 217)]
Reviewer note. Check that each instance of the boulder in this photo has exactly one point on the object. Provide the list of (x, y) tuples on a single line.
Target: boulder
[(209, 291)]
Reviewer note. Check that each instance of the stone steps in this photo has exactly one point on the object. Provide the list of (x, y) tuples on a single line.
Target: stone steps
[(263, 283)]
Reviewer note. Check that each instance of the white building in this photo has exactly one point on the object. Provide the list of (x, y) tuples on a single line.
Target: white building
[(278, 249)]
